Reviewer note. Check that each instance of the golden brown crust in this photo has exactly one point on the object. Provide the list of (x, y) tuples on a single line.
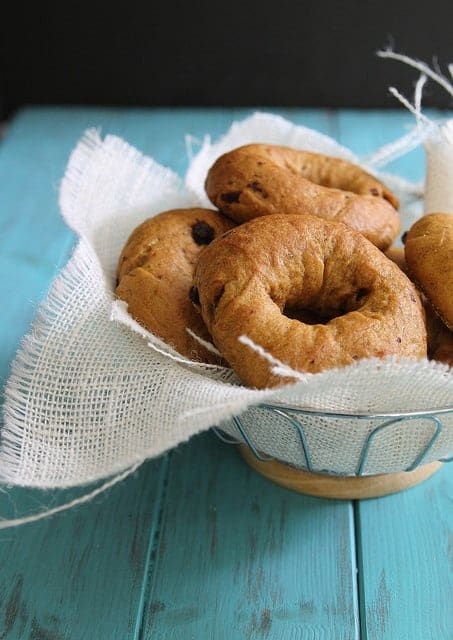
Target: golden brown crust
[(440, 338), (249, 278), (155, 275), (259, 179), (429, 255)]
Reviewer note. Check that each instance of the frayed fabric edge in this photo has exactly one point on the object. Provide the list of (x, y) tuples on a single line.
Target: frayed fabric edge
[(29, 354)]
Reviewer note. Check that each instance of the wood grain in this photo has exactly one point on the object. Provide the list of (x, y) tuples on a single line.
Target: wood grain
[(406, 562), (241, 557), (79, 575)]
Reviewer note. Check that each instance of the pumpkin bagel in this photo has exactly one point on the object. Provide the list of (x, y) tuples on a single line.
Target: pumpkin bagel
[(255, 278), (429, 256), (261, 179), (440, 338), (155, 275)]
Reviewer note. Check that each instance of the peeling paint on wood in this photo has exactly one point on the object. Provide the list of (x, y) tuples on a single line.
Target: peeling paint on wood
[(278, 559)]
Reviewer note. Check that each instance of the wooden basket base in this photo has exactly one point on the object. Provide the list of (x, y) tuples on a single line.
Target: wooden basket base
[(343, 488)]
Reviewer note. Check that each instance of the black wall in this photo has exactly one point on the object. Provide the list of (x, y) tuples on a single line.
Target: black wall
[(288, 53)]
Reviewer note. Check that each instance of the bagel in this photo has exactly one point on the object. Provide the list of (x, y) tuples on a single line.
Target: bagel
[(429, 256), (440, 338), (261, 179), (155, 275), (251, 279)]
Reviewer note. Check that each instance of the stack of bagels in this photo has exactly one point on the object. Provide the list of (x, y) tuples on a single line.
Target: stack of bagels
[(297, 257)]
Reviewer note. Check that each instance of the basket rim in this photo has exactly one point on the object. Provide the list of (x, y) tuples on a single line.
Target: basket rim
[(359, 414)]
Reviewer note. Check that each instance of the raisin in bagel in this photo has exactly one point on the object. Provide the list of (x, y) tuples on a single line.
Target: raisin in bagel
[(251, 280), (429, 256), (260, 179), (155, 275)]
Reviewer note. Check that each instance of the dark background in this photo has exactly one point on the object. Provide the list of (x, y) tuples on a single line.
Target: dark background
[(285, 53)]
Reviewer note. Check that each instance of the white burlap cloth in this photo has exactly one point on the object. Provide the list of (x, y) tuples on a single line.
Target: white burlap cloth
[(91, 393), (439, 170)]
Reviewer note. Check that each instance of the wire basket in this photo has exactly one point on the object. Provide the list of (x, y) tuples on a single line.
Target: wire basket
[(341, 454)]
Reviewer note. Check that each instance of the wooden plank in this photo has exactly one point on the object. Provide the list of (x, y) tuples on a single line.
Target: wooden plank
[(240, 557), (404, 541), (406, 571), (80, 574)]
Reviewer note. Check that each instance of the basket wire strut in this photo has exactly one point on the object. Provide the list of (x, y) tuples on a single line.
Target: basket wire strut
[(393, 419)]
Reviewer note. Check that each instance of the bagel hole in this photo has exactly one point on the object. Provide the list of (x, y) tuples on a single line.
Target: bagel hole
[(304, 315), (359, 298), (325, 315), (352, 302)]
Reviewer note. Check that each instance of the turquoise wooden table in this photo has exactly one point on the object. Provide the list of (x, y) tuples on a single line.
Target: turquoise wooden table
[(195, 545)]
